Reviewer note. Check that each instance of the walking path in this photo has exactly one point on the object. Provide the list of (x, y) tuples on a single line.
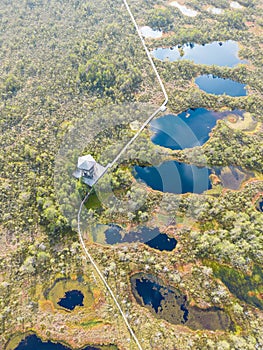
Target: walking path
[(160, 109), (148, 53)]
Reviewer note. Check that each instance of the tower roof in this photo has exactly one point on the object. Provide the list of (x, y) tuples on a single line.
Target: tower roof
[(86, 162)]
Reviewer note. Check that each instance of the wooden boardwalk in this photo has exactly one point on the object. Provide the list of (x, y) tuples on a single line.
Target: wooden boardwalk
[(110, 165)]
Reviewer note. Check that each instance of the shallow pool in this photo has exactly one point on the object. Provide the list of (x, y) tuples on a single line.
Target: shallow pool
[(218, 53), (219, 86)]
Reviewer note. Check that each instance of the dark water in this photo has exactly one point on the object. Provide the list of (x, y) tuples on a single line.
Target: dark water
[(218, 53), (186, 130), (162, 242), (260, 205), (172, 305), (72, 299), (150, 293), (32, 342), (220, 86), (185, 311), (157, 296), (175, 177), (151, 237)]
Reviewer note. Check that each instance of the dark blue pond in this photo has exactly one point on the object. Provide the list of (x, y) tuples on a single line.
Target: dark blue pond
[(151, 237), (72, 299), (32, 342), (162, 242), (175, 177), (150, 293), (185, 130), (171, 304), (153, 294), (260, 205), (218, 53), (220, 86)]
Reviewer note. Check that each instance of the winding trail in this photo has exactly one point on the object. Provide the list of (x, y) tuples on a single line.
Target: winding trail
[(110, 165)]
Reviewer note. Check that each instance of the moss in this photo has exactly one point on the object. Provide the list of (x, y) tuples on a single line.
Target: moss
[(16, 339), (97, 233), (175, 308), (60, 287), (93, 202), (245, 287), (91, 323), (247, 123)]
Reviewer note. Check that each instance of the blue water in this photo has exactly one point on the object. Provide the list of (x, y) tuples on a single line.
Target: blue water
[(220, 86), (162, 242), (151, 237), (112, 234), (72, 299), (175, 177), (150, 293), (218, 53), (172, 305), (153, 293), (185, 130), (32, 342), (260, 205)]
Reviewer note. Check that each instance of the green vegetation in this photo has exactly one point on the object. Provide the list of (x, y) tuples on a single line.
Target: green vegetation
[(246, 287), (70, 62), (228, 147), (161, 19), (60, 287), (91, 323), (118, 80), (174, 306)]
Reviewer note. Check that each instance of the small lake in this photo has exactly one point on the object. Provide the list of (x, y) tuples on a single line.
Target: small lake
[(162, 242), (172, 305), (151, 237), (218, 53), (186, 130), (175, 177), (148, 32), (187, 11), (32, 342), (72, 299), (150, 293), (259, 204), (219, 86)]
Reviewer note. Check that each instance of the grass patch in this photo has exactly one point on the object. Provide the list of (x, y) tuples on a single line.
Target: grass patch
[(61, 286), (91, 323), (15, 340), (93, 202), (97, 233)]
